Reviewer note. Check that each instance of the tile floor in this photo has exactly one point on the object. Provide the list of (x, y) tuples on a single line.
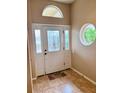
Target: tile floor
[(71, 83)]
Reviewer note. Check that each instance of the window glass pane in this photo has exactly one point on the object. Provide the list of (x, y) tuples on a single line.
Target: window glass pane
[(90, 34), (87, 34), (38, 41), (53, 40), (66, 32), (52, 11)]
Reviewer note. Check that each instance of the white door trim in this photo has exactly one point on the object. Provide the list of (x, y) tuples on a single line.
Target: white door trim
[(67, 53)]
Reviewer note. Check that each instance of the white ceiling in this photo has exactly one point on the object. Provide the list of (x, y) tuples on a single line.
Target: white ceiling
[(64, 1)]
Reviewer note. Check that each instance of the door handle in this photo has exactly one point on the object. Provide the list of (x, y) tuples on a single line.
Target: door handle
[(45, 53)]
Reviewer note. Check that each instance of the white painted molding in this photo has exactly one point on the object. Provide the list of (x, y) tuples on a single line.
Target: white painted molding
[(93, 82), (50, 24)]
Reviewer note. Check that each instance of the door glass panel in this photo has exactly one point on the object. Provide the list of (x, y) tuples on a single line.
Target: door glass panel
[(53, 37), (66, 34), (38, 41)]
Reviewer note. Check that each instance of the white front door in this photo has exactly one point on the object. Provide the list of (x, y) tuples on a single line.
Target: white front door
[(50, 52), (54, 55)]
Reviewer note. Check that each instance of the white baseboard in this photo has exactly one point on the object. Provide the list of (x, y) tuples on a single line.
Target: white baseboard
[(93, 82)]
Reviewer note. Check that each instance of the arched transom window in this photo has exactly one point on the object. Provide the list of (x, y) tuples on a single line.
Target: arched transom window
[(52, 11)]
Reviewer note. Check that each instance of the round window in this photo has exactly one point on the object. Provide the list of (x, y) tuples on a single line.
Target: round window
[(87, 34)]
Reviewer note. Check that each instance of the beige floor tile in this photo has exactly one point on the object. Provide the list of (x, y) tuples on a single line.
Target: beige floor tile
[(52, 90), (55, 83), (71, 83)]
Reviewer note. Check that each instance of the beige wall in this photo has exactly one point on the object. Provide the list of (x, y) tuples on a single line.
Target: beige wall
[(29, 80), (29, 68), (37, 7), (29, 25), (83, 58)]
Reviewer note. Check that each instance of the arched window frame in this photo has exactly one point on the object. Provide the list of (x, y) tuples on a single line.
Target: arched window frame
[(57, 8)]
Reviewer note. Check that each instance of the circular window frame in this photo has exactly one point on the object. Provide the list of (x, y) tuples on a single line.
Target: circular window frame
[(82, 31)]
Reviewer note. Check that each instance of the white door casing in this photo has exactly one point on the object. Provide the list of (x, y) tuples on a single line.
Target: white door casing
[(52, 61)]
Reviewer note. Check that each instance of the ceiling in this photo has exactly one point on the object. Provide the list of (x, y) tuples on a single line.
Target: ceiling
[(64, 1)]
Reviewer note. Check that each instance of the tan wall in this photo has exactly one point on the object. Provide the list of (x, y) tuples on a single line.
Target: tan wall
[(83, 58), (29, 80), (37, 7), (29, 25), (29, 68)]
